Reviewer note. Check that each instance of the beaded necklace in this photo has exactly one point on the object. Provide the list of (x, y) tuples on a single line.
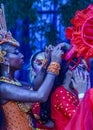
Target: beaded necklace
[(7, 80), (24, 107)]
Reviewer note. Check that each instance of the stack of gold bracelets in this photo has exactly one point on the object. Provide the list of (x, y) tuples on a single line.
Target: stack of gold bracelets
[(54, 67)]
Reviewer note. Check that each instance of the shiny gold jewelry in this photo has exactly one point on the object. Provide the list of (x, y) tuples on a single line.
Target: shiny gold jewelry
[(54, 67), (7, 80)]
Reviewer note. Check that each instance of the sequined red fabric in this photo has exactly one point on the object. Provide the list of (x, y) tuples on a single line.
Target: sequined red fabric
[(36, 113), (83, 117), (15, 119), (63, 107)]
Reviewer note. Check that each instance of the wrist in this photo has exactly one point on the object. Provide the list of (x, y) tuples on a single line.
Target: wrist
[(54, 67), (51, 73), (53, 61), (80, 95)]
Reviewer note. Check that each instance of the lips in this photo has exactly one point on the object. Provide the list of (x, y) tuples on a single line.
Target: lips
[(22, 61)]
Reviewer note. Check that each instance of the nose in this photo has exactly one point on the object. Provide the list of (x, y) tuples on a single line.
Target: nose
[(21, 55)]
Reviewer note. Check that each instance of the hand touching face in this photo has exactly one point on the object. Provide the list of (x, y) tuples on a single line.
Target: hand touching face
[(80, 80)]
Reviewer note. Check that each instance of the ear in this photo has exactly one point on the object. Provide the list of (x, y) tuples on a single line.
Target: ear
[(6, 61)]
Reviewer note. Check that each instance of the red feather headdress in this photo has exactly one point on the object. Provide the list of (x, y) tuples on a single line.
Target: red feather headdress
[(81, 35)]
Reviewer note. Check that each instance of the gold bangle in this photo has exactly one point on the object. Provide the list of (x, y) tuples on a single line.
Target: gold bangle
[(54, 67)]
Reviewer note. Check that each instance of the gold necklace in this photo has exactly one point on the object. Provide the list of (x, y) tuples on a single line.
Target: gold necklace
[(7, 80), (24, 107)]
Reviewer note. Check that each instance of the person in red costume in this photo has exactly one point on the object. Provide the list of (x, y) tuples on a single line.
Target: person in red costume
[(83, 117), (81, 37), (65, 99)]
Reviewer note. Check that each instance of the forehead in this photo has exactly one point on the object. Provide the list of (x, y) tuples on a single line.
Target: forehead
[(40, 56), (38, 59)]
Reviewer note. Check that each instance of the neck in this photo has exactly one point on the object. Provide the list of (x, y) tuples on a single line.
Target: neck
[(67, 82), (69, 88), (66, 86), (9, 75)]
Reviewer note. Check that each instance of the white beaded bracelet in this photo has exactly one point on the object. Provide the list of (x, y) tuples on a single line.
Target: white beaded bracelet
[(81, 95)]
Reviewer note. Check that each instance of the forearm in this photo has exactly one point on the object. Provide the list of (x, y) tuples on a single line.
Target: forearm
[(47, 85), (43, 92), (39, 79), (14, 93), (11, 92)]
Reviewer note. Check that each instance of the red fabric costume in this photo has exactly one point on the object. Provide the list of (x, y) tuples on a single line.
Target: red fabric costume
[(36, 112), (83, 117), (15, 119), (63, 106)]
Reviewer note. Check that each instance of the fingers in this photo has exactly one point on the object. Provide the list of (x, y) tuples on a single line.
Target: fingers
[(77, 75), (60, 52), (73, 82), (49, 48), (86, 75), (81, 77), (60, 46), (64, 45), (81, 80), (46, 49), (56, 54), (88, 83)]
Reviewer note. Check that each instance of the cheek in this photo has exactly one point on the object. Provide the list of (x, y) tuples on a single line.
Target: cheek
[(37, 68), (14, 62)]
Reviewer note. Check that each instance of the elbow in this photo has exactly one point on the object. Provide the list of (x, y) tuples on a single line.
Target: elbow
[(43, 98)]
